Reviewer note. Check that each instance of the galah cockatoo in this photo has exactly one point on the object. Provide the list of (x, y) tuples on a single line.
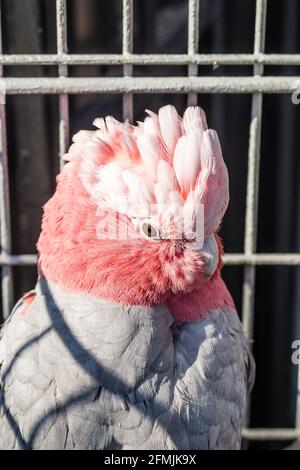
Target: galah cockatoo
[(130, 339)]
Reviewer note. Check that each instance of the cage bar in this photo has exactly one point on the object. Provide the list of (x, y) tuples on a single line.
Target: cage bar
[(150, 59), (297, 418), (271, 434), (263, 259), (255, 84), (62, 48), (251, 216), (5, 223), (127, 49), (233, 259), (253, 175), (193, 43), (17, 260)]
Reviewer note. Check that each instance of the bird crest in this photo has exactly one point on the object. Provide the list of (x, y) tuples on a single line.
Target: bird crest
[(166, 174)]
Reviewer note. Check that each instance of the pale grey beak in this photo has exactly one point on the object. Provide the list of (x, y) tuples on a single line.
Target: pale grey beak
[(210, 255)]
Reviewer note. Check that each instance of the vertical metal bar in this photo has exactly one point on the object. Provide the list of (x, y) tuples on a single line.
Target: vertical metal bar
[(62, 48), (193, 40), (297, 420), (253, 181), (253, 175), (218, 102), (296, 326), (127, 49), (5, 234), (297, 319)]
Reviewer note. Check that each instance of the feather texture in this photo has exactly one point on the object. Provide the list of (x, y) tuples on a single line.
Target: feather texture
[(194, 119), (170, 127), (164, 150), (95, 375)]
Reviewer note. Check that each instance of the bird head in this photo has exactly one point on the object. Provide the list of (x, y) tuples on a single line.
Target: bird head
[(136, 210)]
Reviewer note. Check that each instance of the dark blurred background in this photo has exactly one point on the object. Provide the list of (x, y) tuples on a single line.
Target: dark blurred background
[(160, 26)]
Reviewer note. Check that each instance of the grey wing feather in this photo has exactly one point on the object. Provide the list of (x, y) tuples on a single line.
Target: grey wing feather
[(73, 372), (213, 367), (78, 372)]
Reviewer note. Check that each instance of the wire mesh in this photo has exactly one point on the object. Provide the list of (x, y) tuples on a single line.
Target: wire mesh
[(127, 85)]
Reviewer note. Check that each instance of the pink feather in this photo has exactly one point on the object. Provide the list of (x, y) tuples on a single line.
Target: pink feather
[(179, 163), (170, 126), (187, 160), (194, 119), (213, 181), (150, 151), (166, 175)]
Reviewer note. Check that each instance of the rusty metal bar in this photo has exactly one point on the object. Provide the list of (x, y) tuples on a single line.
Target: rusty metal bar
[(127, 49), (62, 48)]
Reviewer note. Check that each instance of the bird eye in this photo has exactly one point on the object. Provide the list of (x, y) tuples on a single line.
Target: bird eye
[(150, 231)]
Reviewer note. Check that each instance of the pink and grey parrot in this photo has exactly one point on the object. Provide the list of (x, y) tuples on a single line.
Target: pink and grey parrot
[(130, 339)]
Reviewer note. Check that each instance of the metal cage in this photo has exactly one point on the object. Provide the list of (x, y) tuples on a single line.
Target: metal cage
[(127, 85)]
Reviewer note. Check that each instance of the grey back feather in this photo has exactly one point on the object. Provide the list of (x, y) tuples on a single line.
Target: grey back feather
[(78, 372)]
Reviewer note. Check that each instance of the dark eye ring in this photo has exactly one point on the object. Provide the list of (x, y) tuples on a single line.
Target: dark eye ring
[(150, 231)]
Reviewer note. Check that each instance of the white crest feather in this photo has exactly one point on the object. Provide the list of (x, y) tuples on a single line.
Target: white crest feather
[(165, 160), (166, 175), (170, 126), (179, 160), (161, 195), (139, 198), (194, 118), (149, 148)]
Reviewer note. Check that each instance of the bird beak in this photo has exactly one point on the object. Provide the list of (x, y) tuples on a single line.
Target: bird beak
[(210, 256), (209, 253)]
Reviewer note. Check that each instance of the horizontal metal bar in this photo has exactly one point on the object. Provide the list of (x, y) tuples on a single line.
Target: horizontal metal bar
[(150, 59), (263, 259), (17, 260), (268, 434), (287, 259), (43, 85)]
